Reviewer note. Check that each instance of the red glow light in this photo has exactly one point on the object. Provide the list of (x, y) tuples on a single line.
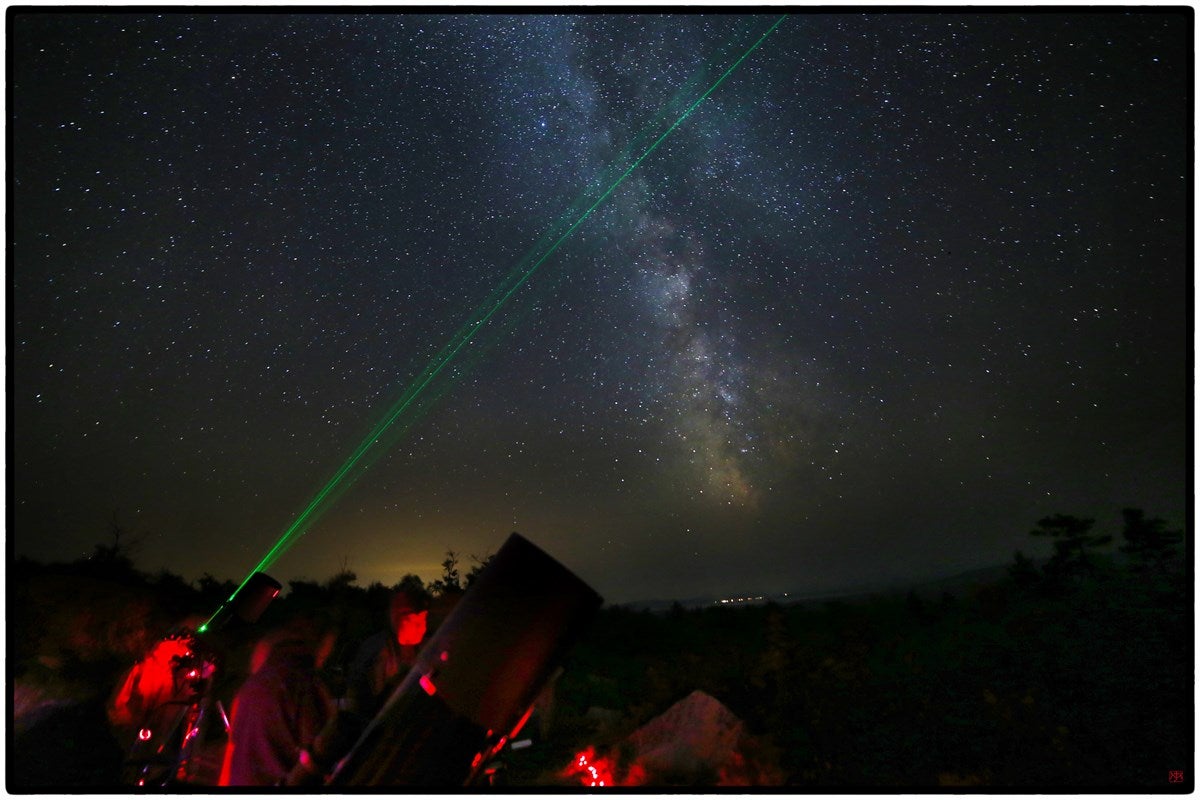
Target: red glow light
[(520, 724), (144, 734), (428, 686), (592, 770), (411, 628)]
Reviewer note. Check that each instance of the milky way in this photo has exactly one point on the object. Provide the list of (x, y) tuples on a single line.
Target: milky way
[(902, 285)]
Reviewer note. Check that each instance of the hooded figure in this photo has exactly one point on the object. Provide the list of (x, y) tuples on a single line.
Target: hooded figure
[(385, 658)]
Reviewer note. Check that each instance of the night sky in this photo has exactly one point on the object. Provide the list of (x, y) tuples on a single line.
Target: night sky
[(901, 286)]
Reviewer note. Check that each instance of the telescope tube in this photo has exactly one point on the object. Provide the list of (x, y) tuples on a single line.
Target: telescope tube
[(474, 683)]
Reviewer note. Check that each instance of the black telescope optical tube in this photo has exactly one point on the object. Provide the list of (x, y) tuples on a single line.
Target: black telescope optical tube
[(247, 604), (475, 681)]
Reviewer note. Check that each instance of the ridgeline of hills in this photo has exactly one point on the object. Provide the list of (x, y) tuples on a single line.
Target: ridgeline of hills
[(956, 585)]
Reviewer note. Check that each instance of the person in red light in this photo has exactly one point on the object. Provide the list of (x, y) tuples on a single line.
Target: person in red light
[(385, 658), (152, 688), (149, 683), (281, 709)]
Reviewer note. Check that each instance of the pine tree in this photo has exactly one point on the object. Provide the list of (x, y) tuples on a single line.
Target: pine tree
[(1148, 544), (1072, 539)]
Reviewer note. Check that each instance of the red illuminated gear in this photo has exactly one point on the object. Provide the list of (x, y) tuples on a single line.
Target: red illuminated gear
[(592, 771)]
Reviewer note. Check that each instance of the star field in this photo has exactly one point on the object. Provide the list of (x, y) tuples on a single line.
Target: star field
[(902, 285)]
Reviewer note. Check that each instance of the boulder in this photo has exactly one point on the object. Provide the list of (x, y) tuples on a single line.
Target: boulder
[(698, 741)]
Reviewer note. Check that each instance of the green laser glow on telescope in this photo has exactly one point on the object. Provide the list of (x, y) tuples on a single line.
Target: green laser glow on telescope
[(517, 278)]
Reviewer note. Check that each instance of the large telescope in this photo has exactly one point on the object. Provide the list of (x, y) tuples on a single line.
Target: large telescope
[(474, 683)]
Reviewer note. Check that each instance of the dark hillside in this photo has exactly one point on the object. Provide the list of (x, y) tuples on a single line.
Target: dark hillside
[(1087, 684), (1073, 673)]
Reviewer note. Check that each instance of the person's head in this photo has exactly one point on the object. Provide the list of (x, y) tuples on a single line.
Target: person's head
[(315, 634), (408, 618)]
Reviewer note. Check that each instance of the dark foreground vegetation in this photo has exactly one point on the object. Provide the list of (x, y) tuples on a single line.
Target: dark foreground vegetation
[(1073, 672)]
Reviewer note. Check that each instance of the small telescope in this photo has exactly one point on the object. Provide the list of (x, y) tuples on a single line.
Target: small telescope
[(474, 683), (162, 752), (247, 604)]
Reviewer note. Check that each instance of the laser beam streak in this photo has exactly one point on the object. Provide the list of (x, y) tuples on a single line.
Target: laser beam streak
[(500, 297)]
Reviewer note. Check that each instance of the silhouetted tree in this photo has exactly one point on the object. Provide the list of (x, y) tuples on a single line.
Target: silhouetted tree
[(1023, 571), (413, 585), (1148, 544), (114, 560), (918, 607), (176, 594), (305, 595), (1072, 539), (213, 592), (480, 566), (343, 580), (451, 581)]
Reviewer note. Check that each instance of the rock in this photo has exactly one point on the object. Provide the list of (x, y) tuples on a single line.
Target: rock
[(698, 741)]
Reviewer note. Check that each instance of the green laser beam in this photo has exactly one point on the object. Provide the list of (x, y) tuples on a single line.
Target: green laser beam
[(499, 298)]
